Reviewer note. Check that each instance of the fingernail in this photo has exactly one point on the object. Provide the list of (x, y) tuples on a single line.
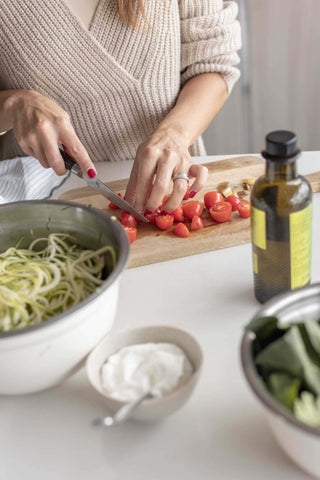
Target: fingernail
[(192, 194), (91, 173)]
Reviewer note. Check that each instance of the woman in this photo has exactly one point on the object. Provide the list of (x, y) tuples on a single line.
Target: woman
[(114, 80)]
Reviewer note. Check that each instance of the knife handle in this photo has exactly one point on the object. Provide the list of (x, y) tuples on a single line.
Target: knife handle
[(68, 161), (70, 164)]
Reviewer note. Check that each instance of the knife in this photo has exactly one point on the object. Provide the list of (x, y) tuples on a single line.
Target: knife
[(95, 183)]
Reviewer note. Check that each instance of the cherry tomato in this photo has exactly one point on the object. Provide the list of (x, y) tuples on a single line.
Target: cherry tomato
[(132, 233), (234, 200), (128, 220), (210, 198), (190, 209), (151, 216), (181, 230), (164, 222), (178, 214), (244, 209), (113, 206), (186, 195), (197, 223), (221, 212)]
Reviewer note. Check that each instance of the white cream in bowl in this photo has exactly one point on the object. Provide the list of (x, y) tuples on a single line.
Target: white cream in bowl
[(153, 367)]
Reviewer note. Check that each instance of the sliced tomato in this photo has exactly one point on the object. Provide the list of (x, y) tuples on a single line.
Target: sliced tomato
[(128, 220), (151, 216), (132, 233), (197, 223), (186, 195), (178, 214), (181, 230), (190, 209), (210, 198), (244, 209), (113, 206), (221, 212), (234, 200), (164, 222)]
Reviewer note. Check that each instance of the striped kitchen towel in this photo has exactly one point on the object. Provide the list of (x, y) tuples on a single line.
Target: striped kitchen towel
[(23, 178)]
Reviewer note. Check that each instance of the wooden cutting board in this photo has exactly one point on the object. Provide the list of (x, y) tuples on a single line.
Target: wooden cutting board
[(153, 245)]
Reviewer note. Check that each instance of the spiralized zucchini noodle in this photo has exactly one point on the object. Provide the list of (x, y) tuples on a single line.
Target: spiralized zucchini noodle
[(48, 278)]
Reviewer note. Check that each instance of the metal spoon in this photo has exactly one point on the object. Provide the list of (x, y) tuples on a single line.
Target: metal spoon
[(123, 413)]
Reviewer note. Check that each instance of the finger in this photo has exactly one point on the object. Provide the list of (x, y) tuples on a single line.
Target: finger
[(39, 154), (131, 189), (146, 170), (162, 182), (76, 150), (179, 189), (201, 175), (50, 147)]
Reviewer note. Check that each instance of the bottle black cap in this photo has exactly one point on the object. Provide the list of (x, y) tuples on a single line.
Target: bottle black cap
[(281, 145)]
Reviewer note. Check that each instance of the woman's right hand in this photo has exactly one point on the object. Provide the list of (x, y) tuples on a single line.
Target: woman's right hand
[(40, 126)]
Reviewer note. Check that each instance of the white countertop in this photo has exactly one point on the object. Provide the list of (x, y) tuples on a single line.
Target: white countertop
[(221, 433)]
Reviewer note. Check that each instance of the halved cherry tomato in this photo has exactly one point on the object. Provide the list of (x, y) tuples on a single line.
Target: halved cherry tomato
[(132, 233), (164, 222), (190, 209), (210, 198), (244, 209), (128, 220), (197, 223), (113, 206), (178, 214), (151, 216), (221, 212), (186, 195), (181, 230), (234, 200)]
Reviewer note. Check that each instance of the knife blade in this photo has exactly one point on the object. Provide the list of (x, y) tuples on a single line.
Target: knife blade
[(95, 183)]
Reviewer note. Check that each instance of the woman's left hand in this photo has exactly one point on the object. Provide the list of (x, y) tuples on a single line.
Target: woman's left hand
[(157, 161)]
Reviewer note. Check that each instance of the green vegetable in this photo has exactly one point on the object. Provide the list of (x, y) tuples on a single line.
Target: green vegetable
[(289, 354), (263, 326), (307, 409), (284, 388), (313, 332), (288, 360), (266, 329), (37, 283)]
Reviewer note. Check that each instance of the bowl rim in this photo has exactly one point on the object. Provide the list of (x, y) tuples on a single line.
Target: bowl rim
[(248, 366), (150, 402), (121, 264)]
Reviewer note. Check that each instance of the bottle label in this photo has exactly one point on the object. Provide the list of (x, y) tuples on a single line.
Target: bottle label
[(255, 263), (300, 246), (258, 228)]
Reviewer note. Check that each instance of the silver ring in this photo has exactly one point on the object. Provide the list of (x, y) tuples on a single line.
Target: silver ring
[(183, 176)]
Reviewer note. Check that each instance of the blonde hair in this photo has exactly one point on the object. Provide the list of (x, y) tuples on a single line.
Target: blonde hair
[(129, 10)]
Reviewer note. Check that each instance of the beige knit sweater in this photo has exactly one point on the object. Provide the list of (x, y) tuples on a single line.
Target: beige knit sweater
[(116, 82)]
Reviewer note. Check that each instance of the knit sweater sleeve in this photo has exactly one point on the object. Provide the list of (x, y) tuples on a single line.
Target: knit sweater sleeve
[(210, 38)]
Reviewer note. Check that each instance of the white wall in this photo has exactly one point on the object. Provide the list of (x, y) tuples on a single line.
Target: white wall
[(279, 87)]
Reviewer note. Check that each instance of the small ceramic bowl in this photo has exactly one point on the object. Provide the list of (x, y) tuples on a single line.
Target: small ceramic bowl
[(154, 408)]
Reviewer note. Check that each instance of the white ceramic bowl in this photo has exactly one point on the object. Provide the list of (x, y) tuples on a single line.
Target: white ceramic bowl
[(300, 441), (41, 356), (154, 408)]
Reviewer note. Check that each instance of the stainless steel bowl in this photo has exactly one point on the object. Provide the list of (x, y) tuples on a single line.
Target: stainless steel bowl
[(300, 441), (40, 356)]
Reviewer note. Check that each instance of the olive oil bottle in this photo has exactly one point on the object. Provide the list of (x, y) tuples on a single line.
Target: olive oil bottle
[(281, 221)]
